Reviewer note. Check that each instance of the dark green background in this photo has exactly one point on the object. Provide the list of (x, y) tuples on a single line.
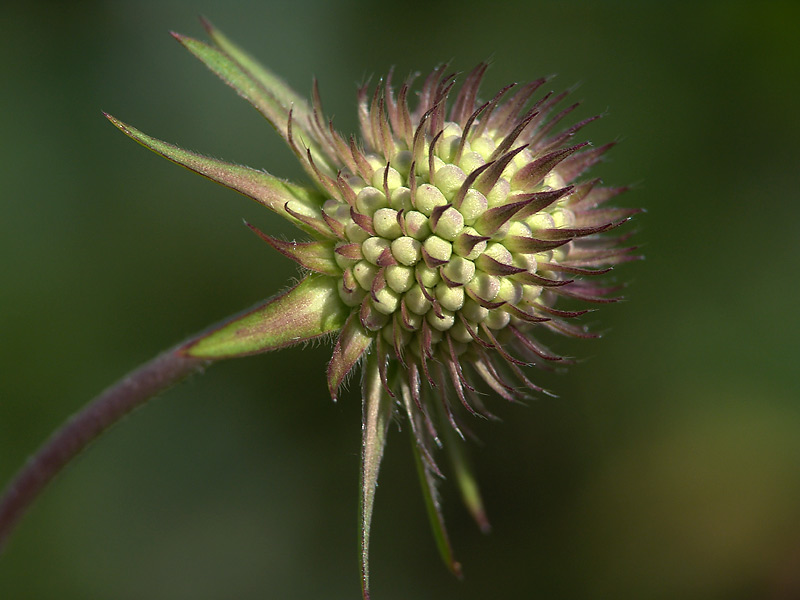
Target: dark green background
[(668, 468)]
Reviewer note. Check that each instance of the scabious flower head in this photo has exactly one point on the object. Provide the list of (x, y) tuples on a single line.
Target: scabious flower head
[(442, 242)]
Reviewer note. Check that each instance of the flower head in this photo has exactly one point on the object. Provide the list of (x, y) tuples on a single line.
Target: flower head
[(442, 241)]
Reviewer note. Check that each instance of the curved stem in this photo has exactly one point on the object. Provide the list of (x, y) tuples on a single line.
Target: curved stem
[(86, 425)]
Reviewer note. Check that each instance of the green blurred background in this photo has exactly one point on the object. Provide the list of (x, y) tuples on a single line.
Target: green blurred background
[(668, 468)]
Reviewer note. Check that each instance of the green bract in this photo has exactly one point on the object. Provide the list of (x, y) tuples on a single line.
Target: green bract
[(441, 243)]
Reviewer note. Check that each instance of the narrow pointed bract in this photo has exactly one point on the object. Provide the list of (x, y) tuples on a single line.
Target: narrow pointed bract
[(262, 187), (442, 243), (376, 414)]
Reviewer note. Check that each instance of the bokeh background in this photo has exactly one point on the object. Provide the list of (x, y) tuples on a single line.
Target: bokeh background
[(669, 467)]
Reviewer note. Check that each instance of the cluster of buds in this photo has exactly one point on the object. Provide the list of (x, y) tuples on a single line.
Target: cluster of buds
[(453, 232)]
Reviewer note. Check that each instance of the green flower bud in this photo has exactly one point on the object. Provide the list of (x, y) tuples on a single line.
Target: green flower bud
[(438, 248), (370, 199), (429, 197), (407, 250), (385, 223)]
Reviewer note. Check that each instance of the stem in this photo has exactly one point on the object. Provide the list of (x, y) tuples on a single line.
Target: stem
[(85, 426)]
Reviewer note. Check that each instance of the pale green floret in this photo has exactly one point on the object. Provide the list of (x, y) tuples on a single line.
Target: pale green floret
[(443, 323), (519, 161), (460, 348), (355, 233), (386, 301), (526, 261), (369, 200), (449, 180), (336, 210), (429, 197), (518, 228), (540, 220), (376, 163), (373, 248), (436, 335), (447, 147), (423, 167), (305, 210), (343, 261), (449, 298), (356, 183), (416, 301), (374, 319), (502, 231), (498, 252), (438, 248), (547, 297), (414, 321), (400, 278), (352, 297), (561, 253), (402, 162), (563, 217), (451, 129), (429, 277), (474, 312), (548, 274), (450, 224), (471, 161), (459, 270), (385, 223), (553, 180), (417, 225), (460, 334), (393, 179), (499, 193), (497, 319), (365, 274), (544, 256), (484, 286), (473, 206), (406, 250), (388, 334), (510, 291), (531, 293), (401, 199), (416, 350), (475, 251), (484, 146)]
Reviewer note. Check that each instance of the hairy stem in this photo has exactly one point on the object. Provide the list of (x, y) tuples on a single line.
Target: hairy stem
[(86, 425)]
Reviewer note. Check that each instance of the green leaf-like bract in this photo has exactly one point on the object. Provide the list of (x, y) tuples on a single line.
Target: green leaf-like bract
[(309, 310), (375, 417), (353, 342), (252, 88), (269, 80), (262, 187), (431, 497)]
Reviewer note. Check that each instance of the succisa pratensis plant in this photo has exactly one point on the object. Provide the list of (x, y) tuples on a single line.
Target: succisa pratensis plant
[(441, 244)]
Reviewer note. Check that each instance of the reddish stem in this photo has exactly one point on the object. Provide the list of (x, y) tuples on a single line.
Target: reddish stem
[(86, 425)]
